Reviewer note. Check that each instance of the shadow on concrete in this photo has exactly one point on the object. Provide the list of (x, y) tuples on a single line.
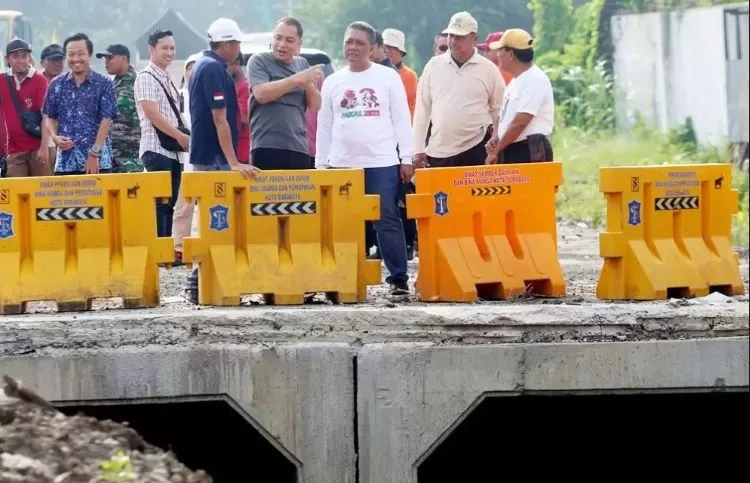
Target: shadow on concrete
[(567, 438), (212, 435)]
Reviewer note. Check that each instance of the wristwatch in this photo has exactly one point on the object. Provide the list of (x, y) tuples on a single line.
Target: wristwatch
[(95, 150)]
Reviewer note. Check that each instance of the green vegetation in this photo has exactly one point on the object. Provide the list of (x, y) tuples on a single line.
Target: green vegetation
[(584, 153), (585, 138), (117, 468)]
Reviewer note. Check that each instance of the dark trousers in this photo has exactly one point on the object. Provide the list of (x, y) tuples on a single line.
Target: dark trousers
[(536, 149), (475, 156), (410, 226), (269, 159), (164, 211)]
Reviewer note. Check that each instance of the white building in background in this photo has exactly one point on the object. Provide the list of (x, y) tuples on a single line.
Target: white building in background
[(669, 66)]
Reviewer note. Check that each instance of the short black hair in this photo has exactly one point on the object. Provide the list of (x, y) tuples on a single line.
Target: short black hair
[(292, 22), (364, 27), (525, 55), (157, 35), (78, 37), (379, 38)]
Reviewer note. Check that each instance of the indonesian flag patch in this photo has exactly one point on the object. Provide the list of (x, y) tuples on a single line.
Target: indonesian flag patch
[(218, 96)]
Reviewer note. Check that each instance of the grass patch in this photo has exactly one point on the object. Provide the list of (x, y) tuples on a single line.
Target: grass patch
[(583, 154)]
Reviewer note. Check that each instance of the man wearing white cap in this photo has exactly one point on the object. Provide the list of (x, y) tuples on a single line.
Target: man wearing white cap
[(460, 92), (528, 112), (214, 115), (395, 49)]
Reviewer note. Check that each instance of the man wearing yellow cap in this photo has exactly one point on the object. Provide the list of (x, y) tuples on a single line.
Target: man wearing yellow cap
[(522, 132)]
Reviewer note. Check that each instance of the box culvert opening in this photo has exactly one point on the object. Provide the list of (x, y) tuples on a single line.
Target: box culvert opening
[(567, 436), (209, 434)]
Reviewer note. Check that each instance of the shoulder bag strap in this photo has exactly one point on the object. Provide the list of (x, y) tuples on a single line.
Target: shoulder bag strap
[(14, 95), (169, 99)]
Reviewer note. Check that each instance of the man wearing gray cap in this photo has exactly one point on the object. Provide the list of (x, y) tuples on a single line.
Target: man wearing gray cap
[(126, 127)]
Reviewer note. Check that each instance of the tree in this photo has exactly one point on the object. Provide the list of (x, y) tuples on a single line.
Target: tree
[(420, 20)]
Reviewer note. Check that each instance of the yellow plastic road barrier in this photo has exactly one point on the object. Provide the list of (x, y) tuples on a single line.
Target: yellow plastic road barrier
[(71, 239), (669, 232), (284, 234), (487, 232)]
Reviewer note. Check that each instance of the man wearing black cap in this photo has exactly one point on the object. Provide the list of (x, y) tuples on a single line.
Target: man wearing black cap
[(126, 127), (22, 91), (52, 61)]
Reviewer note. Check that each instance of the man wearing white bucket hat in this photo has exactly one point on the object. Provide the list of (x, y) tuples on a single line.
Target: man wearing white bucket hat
[(395, 48)]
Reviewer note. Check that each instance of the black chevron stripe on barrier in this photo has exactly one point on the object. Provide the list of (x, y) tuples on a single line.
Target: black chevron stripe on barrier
[(677, 203), (70, 214), (283, 209), (490, 191)]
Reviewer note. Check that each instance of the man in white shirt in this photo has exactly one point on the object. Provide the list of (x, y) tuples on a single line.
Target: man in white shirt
[(364, 115), (527, 116)]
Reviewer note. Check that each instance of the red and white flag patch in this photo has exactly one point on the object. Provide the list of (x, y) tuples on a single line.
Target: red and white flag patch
[(218, 96)]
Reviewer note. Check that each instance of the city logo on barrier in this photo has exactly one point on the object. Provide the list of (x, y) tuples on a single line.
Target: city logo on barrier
[(634, 213), (441, 203), (6, 225), (219, 216)]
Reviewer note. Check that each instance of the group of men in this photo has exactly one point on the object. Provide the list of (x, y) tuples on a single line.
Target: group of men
[(374, 114)]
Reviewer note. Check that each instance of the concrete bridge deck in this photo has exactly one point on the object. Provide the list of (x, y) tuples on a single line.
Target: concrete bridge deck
[(365, 393)]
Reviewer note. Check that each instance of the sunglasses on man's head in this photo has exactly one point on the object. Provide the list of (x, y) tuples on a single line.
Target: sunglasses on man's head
[(443, 48)]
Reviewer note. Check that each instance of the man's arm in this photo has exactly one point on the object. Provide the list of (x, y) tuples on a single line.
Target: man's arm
[(224, 133), (422, 111), (496, 98), (515, 128), (265, 90), (313, 97), (325, 127), (243, 98), (147, 95), (43, 149), (108, 111), (401, 118)]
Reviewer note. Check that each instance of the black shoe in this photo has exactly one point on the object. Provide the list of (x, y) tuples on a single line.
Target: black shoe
[(192, 296), (399, 288), (409, 253)]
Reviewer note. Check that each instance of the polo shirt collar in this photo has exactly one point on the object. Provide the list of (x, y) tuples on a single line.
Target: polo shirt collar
[(18, 81), (212, 54), (68, 76), (472, 60)]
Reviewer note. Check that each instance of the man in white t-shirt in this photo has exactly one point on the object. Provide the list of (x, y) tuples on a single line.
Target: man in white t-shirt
[(528, 111), (364, 115)]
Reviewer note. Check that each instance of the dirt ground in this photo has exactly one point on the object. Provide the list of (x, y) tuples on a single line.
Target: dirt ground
[(578, 247), (40, 445)]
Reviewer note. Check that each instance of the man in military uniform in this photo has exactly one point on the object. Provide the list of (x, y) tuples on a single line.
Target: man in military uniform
[(126, 128)]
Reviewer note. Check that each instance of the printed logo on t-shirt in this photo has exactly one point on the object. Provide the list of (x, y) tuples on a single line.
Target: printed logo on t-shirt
[(362, 104), (29, 102)]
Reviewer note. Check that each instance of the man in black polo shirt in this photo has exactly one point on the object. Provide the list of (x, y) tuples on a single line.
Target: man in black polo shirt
[(214, 116)]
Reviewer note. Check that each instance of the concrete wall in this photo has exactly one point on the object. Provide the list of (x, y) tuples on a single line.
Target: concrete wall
[(672, 65), (299, 394), (412, 395)]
